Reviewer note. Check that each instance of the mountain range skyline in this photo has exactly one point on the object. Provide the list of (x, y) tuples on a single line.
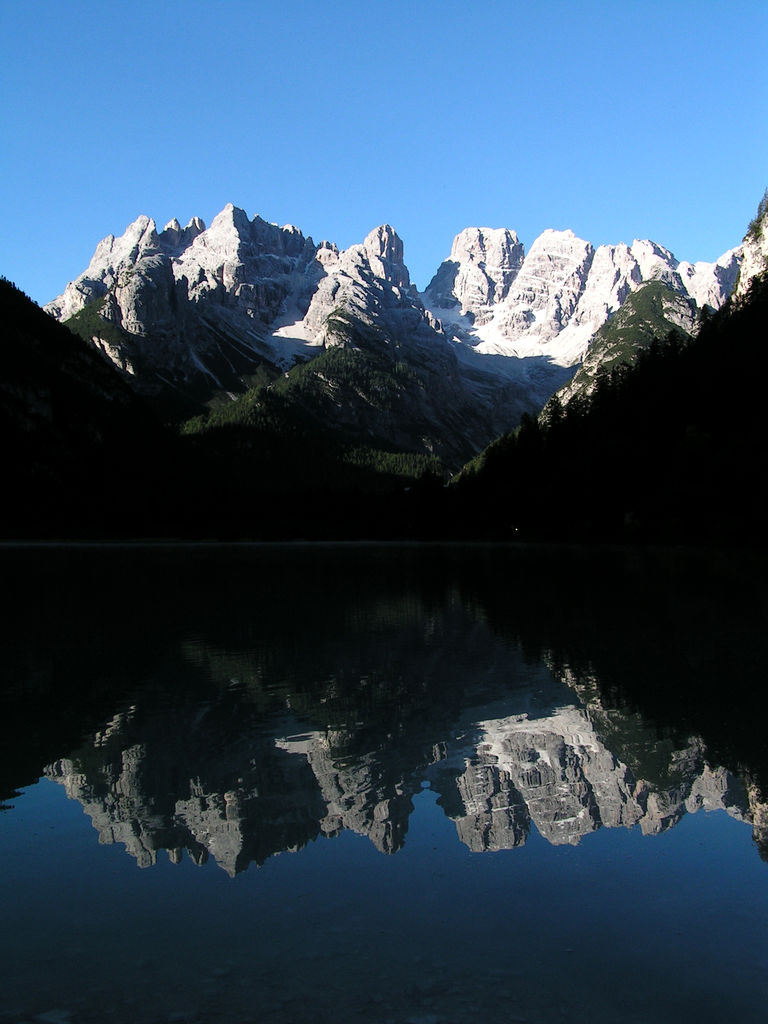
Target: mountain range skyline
[(198, 223), (524, 315), (613, 123)]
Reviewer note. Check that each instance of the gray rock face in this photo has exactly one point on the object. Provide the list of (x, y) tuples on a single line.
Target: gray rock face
[(532, 318), (556, 297), (368, 284), (193, 304), (557, 774), (195, 311), (111, 256), (754, 250), (479, 272), (548, 287), (239, 278), (362, 797), (495, 334), (149, 797)]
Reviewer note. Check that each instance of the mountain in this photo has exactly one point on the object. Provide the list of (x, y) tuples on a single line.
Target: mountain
[(78, 445), (85, 456), (321, 395), (660, 306), (184, 312), (196, 316), (535, 315), (648, 313), (754, 248), (500, 779), (668, 448)]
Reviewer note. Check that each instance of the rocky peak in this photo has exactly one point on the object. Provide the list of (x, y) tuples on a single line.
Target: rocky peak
[(482, 266), (493, 248), (557, 260), (506, 327), (174, 238), (385, 243), (279, 241), (112, 255), (327, 254), (228, 230), (383, 248), (555, 243), (710, 284), (754, 249), (547, 288), (656, 263)]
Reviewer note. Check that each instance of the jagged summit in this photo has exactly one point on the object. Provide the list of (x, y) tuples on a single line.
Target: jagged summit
[(198, 310), (490, 296), (383, 248), (192, 315), (231, 217), (493, 299), (754, 248), (385, 243), (479, 272)]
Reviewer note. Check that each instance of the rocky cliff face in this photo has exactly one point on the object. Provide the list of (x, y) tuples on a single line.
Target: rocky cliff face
[(195, 312), (264, 289), (550, 302), (652, 311), (754, 249), (479, 272), (189, 308)]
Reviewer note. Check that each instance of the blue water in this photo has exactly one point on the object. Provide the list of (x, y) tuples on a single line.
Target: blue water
[(621, 927), (285, 734)]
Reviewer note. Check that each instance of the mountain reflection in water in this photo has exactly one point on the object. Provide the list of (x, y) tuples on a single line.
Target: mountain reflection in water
[(227, 704), (270, 696), (220, 781)]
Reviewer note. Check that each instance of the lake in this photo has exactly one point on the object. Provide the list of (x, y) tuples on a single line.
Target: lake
[(400, 784)]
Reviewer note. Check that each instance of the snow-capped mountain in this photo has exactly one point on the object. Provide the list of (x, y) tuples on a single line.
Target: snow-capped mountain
[(495, 301), (191, 306), (652, 311), (196, 312), (265, 288)]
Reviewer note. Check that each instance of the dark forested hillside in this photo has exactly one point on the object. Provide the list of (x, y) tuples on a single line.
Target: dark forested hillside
[(671, 448), (79, 450), (651, 312), (83, 456)]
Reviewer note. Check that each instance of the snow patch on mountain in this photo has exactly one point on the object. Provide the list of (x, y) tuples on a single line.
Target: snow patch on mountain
[(560, 294), (201, 308)]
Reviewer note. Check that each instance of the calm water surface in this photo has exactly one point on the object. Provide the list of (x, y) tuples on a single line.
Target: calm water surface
[(384, 784)]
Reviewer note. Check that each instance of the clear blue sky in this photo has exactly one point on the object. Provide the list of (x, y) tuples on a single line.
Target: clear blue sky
[(620, 119)]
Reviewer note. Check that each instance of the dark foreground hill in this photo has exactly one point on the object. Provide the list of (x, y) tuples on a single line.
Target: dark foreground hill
[(671, 448), (84, 456), (79, 449)]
